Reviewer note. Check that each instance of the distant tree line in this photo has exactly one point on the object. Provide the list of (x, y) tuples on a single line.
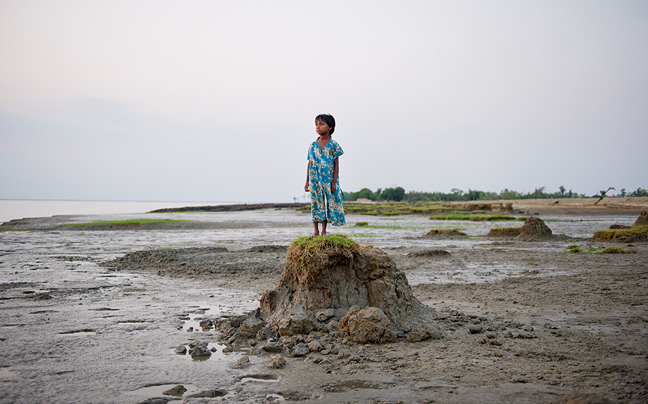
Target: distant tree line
[(399, 194)]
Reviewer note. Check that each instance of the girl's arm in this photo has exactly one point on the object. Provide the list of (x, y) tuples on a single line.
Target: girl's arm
[(336, 167), (306, 188)]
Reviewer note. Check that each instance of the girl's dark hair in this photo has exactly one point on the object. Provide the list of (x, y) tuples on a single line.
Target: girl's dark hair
[(327, 119)]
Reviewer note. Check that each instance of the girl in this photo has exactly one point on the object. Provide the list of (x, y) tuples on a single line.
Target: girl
[(322, 177)]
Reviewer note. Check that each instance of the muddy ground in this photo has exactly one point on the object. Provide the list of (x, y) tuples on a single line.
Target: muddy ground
[(524, 322)]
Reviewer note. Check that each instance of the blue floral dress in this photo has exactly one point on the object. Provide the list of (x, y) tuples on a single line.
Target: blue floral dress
[(325, 206)]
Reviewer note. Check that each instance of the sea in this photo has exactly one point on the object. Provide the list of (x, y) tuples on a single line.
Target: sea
[(11, 209)]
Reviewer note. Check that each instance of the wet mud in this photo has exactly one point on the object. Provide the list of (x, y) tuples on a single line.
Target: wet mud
[(103, 316)]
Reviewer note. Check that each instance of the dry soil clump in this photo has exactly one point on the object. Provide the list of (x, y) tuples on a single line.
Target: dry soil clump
[(534, 229)]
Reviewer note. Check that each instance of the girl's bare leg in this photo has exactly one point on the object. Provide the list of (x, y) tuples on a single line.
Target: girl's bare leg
[(316, 229), (324, 228)]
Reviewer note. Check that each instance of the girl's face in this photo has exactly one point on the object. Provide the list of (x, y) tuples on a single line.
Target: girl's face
[(322, 128)]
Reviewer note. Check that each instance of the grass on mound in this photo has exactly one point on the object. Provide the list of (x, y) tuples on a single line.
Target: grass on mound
[(504, 232), (128, 222), (445, 232), (309, 252), (633, 234), (615, 250)]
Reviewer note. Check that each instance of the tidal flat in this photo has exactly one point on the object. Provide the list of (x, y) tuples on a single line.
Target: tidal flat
[(97, 314)]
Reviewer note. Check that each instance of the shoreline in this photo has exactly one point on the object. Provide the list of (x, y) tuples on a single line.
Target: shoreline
[(527, 322)]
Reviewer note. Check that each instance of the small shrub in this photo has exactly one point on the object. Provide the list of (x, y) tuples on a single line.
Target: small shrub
[(574, 248)]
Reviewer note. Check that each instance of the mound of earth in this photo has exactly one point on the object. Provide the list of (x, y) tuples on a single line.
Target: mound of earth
[(535, 229), (330, 280), (504, 232), (642, 220), (445, 233)]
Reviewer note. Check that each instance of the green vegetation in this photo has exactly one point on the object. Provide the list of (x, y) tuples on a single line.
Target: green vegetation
[(477, 218), (633, 234), (399, 194), (575, 249), (309, 252), (366, 225), (129, 222), (614, 250)]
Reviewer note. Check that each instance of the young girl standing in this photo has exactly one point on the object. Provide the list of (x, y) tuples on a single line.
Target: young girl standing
[(322, 177)]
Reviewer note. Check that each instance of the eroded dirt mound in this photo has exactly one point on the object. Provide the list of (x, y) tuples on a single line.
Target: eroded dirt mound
[(504, 232), (445, 233), (535, 229), (325, 278), (642, 220)]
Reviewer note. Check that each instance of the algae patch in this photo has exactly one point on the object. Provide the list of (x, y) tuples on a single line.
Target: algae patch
[(129, 222)]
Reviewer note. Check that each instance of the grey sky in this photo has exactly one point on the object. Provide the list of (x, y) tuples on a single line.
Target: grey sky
[(215, 100)]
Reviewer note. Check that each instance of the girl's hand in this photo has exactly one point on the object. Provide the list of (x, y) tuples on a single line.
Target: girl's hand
[(333, 188), (306, 189)]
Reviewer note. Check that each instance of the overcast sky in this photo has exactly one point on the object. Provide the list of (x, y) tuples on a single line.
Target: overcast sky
[(215, 100)]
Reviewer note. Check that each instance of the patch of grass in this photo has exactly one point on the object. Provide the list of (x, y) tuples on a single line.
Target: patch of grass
[(364, 235), (477, 212), (129, 222), (308, 252), (504, 232), (574, 249), (361, 224), (375, 226), (633, 234), (614, 250), (453, 216), (476, 218), (492, 218)]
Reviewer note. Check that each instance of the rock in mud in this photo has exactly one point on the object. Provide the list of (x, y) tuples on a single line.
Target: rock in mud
[(369, 325), (181, 350), (277, 362), (176, 391), (333, 274), (417, 335), (200, 352), (243, 362), (535, 229)]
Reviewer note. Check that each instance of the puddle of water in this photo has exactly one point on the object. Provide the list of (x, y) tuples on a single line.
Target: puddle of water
[(159, 389), (263, 378), (79, 332)]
